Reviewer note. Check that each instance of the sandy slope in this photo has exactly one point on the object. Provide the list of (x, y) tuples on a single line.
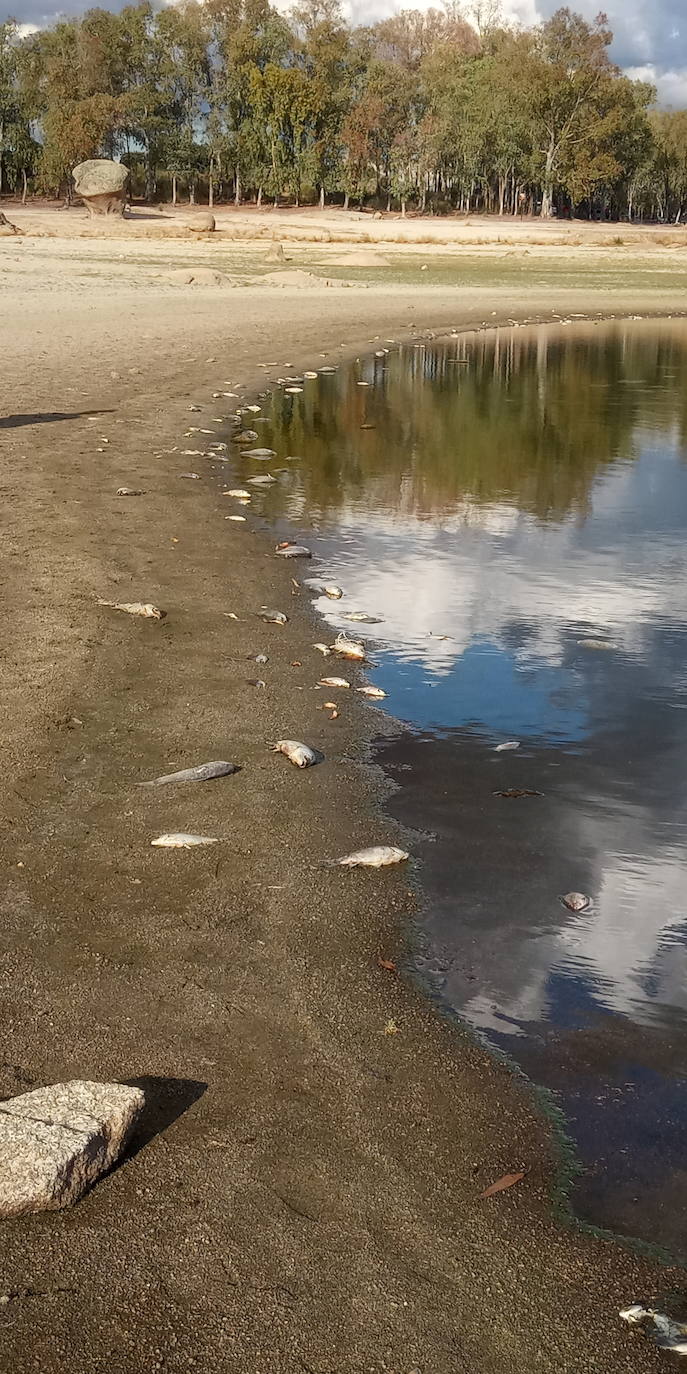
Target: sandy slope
[(308, 1196)]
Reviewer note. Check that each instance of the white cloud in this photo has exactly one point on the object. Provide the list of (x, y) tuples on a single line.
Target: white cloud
[(671, 86)]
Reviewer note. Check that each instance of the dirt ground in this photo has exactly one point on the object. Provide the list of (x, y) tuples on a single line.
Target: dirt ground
[(304, 1192)]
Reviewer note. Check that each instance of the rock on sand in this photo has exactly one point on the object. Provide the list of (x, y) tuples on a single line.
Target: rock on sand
[(100, 183), (196, 276), (57, 1141)]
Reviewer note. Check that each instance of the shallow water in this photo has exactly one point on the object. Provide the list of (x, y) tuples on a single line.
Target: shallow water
[(498, 500)]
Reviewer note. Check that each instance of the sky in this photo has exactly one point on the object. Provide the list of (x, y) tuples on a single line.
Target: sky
[(650, 35)]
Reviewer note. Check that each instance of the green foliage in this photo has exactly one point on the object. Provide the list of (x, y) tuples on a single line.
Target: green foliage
[(420, 108)]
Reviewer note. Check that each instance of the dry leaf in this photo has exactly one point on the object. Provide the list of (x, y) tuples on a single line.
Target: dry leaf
[(501, 1184), (387, 964), (391, 1028)]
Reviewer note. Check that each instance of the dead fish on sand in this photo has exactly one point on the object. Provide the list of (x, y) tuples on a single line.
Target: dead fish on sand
[(349, 648), (259, 453), (296, 752), (374, 693), (323, 588), (239, 492), (245, 436), (265, 480), (668, 1334), (144, 608), (597, 644), (380, 856), (294, 551), (323, 649), (334, 682), (240, 518), (362, 617), (576, 901), (180, 840), (129, 491), (204, 772), (192, 476), (507, 745), (274, 617), (255, 682)]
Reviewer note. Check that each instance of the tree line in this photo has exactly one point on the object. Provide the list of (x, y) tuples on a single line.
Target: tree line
[(232, 100)]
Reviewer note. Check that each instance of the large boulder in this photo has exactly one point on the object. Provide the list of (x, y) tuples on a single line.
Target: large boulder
[(101, 185), (203, 222), (56, 1142)]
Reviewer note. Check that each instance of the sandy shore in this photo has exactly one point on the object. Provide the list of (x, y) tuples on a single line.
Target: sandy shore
[(306, 1192)]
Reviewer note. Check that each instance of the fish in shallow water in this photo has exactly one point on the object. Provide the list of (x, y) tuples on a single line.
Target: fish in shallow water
[(259, 453), (597, 644), (144, 608), (507, 745), (334, 682), (239, 492), (374, 693), (274, 617), (245, 436), (296, 752), (323, 588), (362, 617), (218, 768), (576, 901), (265, 480), (379, 856), (349, 648), (294, 551), (181, 840)]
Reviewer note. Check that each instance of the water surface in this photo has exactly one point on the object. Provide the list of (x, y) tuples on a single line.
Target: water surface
[(513, 506)]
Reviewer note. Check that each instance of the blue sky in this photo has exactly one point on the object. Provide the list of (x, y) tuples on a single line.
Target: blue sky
[(650, 35)]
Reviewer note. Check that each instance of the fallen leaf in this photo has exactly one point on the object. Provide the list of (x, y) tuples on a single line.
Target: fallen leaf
[(296, 663), (391, 1028), (387, 964), (506, 1181)]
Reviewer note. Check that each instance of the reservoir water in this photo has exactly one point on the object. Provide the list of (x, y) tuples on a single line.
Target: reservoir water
[(512, 506)]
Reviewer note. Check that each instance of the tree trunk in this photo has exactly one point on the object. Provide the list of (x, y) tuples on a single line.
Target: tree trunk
[(211, 188), (150, 177), (502, 194), (322, 197), (192, 191), (259, 201), (388, 203), (174, 189), (346, 200), (403, 207), (24, 185), (237, 187), (547, 193)]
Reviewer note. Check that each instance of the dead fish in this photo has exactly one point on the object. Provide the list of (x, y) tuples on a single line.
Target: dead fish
[(375, 693), (310, 374), (323, 649), (130, 491), (327, 370), (192, 476), (576, 901), (261, 658), (362, 617), (204, 772), (194, 408), (274, 617), (239, 492), (144, 608), (597, 644), (292, 390), (300, 754), (506, 746), (255, 682), (349, 648), (259, 453), (294, 551), (334, 682), (515, 792), (380, 856), (323, 588), (668, 1334), (240, 518), (245, 436), (180, 840), (255, 410), (265, 480)]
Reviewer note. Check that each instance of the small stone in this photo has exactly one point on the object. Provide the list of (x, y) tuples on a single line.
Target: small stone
[(55, 1142)]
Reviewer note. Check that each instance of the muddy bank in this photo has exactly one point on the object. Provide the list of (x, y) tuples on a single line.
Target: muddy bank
[(307, 1196)]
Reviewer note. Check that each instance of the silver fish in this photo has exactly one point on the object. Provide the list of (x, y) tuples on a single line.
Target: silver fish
[(255, 682), (334, 682), (239, 492), (265, 480), (240, 518), (362, 617), (323, 649), (323, 588), (130, 491), (259, 453), (597, 644), (245, 436), (349, 648), (507, 745), (668, 1334), (180, 840), (296, 752), (202, 773), (274, 617), (261, 658), (144, 608), (294, 551), (192, 476), (576, 901), (374, 693), (380, 856)]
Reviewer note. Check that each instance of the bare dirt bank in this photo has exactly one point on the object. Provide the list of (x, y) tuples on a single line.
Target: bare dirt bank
[(308, 1196)]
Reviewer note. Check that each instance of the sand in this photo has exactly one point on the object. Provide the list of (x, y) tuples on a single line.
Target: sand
[(305, 1194)]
